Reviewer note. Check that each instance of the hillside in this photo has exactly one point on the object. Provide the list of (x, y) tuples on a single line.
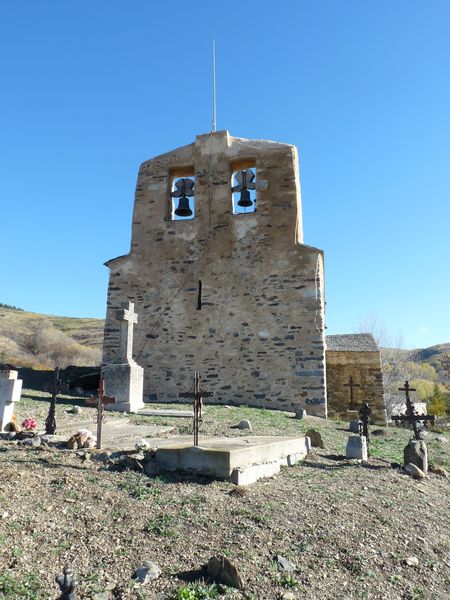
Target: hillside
[(432, 356), (44, 341)]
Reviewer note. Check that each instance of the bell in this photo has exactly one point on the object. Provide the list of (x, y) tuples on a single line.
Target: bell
[(183, 209), (245, 199)]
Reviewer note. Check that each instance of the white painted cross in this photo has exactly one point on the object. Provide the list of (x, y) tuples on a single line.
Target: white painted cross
[(127, 318), (10, 388)]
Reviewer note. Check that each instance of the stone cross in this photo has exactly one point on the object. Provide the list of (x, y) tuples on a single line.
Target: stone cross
[(127, 318), (10, 389)]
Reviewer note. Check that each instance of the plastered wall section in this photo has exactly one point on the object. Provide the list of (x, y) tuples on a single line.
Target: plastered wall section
[(259, 336), (365, 368)]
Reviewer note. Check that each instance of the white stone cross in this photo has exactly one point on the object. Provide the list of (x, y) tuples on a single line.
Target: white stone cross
[(127, 318), (10, 388)]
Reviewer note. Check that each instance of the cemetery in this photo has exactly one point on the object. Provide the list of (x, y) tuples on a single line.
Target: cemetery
[(219, 425), (126, 525)]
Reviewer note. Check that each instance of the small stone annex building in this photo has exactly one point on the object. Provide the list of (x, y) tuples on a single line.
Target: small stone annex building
[(224, 284), (221, 279), (357, 356)]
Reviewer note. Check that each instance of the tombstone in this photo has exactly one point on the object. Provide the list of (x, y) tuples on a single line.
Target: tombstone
[(356, 447), (355, 426), (10, 389), (124, 379), (415, 452)]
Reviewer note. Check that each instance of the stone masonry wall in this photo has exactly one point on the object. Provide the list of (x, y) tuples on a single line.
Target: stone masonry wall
[(365, 368), (259, 336)]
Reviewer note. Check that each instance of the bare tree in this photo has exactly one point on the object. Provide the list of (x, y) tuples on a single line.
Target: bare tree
[(397, 364)]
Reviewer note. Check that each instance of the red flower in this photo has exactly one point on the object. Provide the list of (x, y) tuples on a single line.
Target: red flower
[(30, 424)]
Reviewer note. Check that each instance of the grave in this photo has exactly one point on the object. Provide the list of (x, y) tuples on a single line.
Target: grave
[(356, 447), (415, 451), (10, 389), (124, 379), (117, 432), (242, 460)]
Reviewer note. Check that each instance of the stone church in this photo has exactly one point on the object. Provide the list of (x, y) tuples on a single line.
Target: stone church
[(221, 279)]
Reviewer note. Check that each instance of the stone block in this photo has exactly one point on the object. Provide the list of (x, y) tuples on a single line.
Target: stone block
[(315, 438), (354, 426), (356, 447), (416, 453), (125, 382), (413, 471)]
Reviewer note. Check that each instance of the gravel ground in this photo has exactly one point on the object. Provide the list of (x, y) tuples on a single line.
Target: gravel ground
[(350, 530)]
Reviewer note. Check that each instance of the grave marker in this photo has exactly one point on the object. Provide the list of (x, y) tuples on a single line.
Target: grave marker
[(410, 416), (10, 389), (124, 378), (103, 401), (351, 384), (364, 412), (67, 585), (197, 395), (55, 388)]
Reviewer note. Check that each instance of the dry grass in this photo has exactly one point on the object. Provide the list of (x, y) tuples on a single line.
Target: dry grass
[(43, 341)]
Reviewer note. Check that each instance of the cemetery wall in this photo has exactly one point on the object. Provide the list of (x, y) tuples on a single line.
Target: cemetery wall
[(259, 336), (365, 368)]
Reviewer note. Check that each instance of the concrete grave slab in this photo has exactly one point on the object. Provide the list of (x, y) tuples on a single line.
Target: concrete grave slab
[(118, 433), (165, 413), (241, 460)]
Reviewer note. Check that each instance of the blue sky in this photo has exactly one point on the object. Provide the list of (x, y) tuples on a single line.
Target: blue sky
[(92, 89)]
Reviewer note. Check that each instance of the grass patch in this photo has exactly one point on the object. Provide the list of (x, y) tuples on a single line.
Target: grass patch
[(197, 591), (162, 526), (26, 588)]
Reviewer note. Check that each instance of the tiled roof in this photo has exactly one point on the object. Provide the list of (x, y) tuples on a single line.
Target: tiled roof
[(352, 342)]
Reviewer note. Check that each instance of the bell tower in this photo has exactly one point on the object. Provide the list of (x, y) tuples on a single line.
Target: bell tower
[(221, 279)]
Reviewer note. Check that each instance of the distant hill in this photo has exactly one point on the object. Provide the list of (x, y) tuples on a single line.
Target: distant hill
[(432, 356), (45, 341)]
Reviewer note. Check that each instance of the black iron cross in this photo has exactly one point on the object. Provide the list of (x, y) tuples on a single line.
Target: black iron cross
[(351, 384), (197, 396), (103, 400), (55, 388), (67, 585), (410, 416), (364, 413)]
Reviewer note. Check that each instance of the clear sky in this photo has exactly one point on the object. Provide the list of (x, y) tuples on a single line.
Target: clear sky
[(90, 89)]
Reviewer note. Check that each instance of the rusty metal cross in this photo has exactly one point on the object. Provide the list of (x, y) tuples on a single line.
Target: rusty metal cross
[(410, 416), (54, 388), (364, 413), (197, 396), (351, 384), (103, 400)]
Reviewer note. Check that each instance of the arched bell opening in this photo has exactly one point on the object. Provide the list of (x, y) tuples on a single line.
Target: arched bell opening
[(183, 198), (243, 186)]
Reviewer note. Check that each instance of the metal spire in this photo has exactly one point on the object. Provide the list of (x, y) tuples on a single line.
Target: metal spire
[(214, 83)]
